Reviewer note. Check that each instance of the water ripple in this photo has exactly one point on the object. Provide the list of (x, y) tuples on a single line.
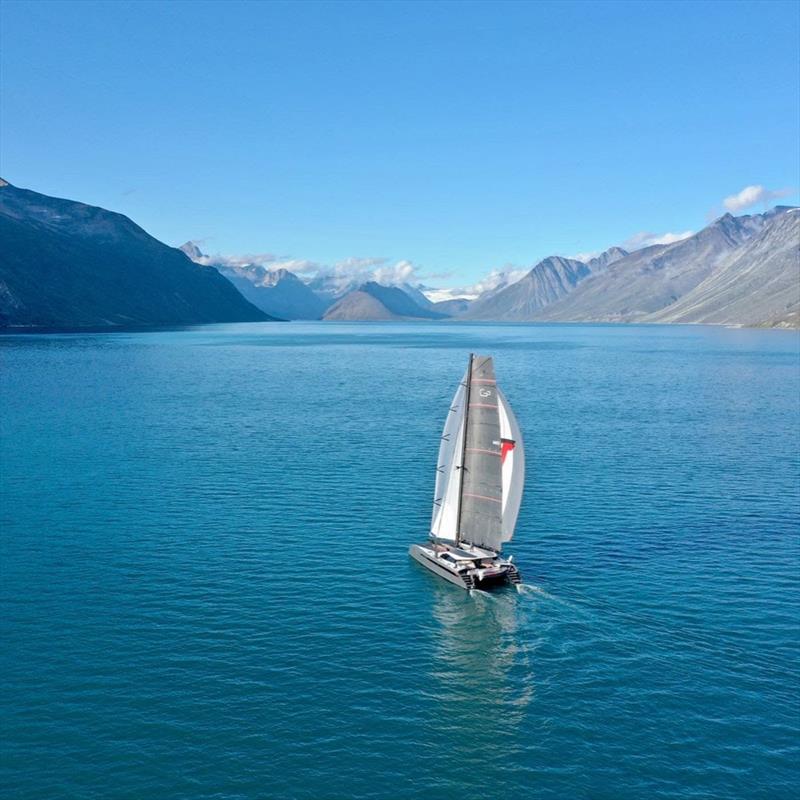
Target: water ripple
[(206, 591)]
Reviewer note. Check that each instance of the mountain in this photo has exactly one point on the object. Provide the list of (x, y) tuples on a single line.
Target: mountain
[(278, 292), (550, 280), (758, 284), (606, 259), (646, 281), (373, 301), (452, 308), (416, 295), (330, 287), (737, 270), (790, 320), (496, 282), (398, 301), (359, 306), (65, 264), (194, 252)]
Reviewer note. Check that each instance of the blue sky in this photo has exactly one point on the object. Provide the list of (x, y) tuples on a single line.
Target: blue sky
[(458, 136)]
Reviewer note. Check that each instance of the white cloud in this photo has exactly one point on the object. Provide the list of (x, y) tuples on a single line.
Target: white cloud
[(354, 270), (401, 272), (496, 279), (256, 259), (437, 295), (355, 265), (646, 239), (753, 195), (586, 256), (499, 278), (248, 259), (300, 266)]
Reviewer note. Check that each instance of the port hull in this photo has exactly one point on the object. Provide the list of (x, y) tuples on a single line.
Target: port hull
[(418, 554)]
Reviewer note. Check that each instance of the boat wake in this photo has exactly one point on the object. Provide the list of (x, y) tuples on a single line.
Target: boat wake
[(522, 588), (529, 588)]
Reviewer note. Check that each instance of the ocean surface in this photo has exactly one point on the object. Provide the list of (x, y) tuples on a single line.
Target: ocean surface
[(206, 591)]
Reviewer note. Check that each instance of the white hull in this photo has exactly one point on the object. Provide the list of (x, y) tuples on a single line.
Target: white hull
[(468, 568)]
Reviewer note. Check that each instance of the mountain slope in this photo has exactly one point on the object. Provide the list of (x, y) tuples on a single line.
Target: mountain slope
[(454, 307), (277, 292), (398, 301), (550, 280), (65, 264), (606, 259), (359, 306), (648, 280), (330, 287), (759, 283), (373, 301), (416, 295)]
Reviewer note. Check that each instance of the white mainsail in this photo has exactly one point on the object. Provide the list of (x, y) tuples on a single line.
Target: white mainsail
[(444, 521), (494, 457)]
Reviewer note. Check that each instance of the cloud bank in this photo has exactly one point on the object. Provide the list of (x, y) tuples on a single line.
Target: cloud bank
[(496, 279), (753, 195), (350, 270)]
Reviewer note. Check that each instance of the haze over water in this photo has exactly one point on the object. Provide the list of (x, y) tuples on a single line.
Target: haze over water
[(206, 591)]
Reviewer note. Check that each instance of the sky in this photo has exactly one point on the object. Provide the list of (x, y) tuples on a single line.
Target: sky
[(438, 140)]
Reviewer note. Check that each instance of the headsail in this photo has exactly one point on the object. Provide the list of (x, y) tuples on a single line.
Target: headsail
[(512, 459), (446, 492)]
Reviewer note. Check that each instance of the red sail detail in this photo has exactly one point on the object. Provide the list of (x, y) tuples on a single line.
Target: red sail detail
[(506, 446)]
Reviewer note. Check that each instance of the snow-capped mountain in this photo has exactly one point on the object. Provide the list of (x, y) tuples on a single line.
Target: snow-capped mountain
[(277, 292)]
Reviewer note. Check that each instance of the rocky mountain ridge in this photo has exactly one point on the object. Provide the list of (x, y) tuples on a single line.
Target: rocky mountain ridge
[(67, 265)]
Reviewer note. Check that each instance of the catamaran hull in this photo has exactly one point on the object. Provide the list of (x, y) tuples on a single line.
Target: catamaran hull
[(418, 554), (508, 574)]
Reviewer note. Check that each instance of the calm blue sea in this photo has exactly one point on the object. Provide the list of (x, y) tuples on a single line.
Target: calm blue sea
[(206, 591)]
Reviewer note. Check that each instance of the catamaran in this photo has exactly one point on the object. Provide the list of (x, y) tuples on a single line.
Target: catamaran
[(479, 480)]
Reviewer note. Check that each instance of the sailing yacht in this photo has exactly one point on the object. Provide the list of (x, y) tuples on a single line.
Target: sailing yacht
[(479, 480)]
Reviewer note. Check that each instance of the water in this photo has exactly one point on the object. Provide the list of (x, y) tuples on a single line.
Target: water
[(206, 592)]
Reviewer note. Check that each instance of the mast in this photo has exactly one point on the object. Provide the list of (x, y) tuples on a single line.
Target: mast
[(463, 451)]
